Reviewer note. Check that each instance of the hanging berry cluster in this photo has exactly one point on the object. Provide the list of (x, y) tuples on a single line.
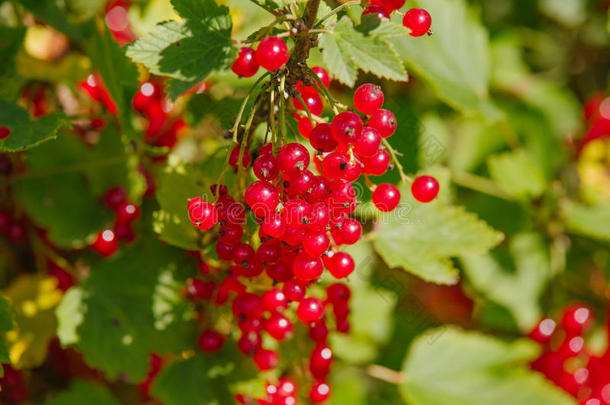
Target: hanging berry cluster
[(569, 361), (416, 20)]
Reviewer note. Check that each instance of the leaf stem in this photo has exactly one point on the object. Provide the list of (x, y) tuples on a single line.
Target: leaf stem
[(386, 374), (336, 10)]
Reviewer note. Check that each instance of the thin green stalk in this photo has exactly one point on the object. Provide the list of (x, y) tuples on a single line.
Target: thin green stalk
[(336, 10), (243, 105), (300, 98), (325, 91), (403, 177), (274, 137), (244, 144), (282, 111)]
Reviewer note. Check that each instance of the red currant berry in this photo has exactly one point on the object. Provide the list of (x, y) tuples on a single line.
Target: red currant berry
[(321, 138), (296, 213), (295, 289), (272, 53), (246, 64), (346, 127), (338, 292), (106, 243), (230, 234), (149, 92), (384, 122), (246, 159), (424, 188), (418, 21), (543, 332), (333, 165), (320, 392), (315, 243), (377, 164), (198, 289), (274, 300), (202, 214), (392, 5), (224, 251), (318, 331), (319, 217), (266, 167), (320, 189), (128, 212), (340, 265), (210, 341), (368, 98), (576, 319), (293, 158), (249, 343), (5, 132), (312, 100), (350, 231), (278, 327), (294, 236), (266, 149), (266, 359), (306, 267), (262, 198), (320, 361), (377, 11), (269, 251), (274, 226), (322, 75), (300, 184), (279, 272), (368, 144), (310, 310), (386, 197), (304, 127), (114, 197)]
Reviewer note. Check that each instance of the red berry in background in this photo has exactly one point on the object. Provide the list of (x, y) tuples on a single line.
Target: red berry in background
[(310, 309), (294, 289), (210, 341), (262, 198), (249, 343), (346, 127), (128, 212), (5, 132), (304, 127), (16, 233), (246, 159), (198, 289), (425, 188), (384, 122), (377, 11), (390, 5), (266, 167), (377, 164), (368, 98), (338, 292), (149, 93), (321, 138), (418, 21), (312, 100), (576, 319), (386, 197), (322, 75), (320, 361), (274, 300), (306, 267), (106, 243), (246, 64), (278, 327), (293, 158), (368, 143), (272, 53), (203, 215), (266, 359), (544, 330), (319, 393), (114, 197)]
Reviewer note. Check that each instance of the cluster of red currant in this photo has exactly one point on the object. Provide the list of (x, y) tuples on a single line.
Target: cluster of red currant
[(568, 361), (107, 241), (597, 118), (303, 219), (417, 20), (117, 21), (14, 389), (271, 53), (11, 228)]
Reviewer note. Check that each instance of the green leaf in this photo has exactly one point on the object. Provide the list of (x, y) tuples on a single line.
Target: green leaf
[(591, 221), (422, 238), (6, 324), (517, 174), (345, 50), (203, 105), (454, 60), (85, 392), (120, 76), (11, 40), (468, 368), (51, 14), (520, 290), (25, 131), (129, 307), (187, 51)]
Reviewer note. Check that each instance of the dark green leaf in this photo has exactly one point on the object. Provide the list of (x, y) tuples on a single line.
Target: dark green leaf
[(85, 392), (51, 14), (517, 174), (593, 221)]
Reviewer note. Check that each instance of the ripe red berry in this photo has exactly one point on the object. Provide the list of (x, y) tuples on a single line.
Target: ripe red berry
[(265, 167), (320, 361), (350, 232), (274, 300), (322, 75), (296, 212), (321, 138), (294, 289), (249, 343), (576, 319), (293, 158), (5, 132), (279, 272), (320, 392), (224, 251), (114, 197), (306, 267), (272, 53), (198, 289), (128, 212), (384, 122), (368, 143), (368, 98), (202, 214), (106, 243), (300, 184), (246, 159), (337, 292), (278, 327), (543, 331), (377, 164), (320, 189), (340, 265), (312, 100), (304, 127), (391, 5), (377, 11), (425, 188), (346, 127), (319, 217), (246, 64), (418, 21), (230, 234), (266, 359), (274, 226), (310, 309), (293, 236), (316, 243), (210, 341), (262, 198), (386, 197)]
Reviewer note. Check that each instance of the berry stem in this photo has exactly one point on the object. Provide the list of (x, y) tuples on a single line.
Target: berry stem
[(336, 10), (300, 98), (386, 374), (394, 156), (241, 175), (268, 9), (325, 91), (274, 137), (282, 110), (243, 108)]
